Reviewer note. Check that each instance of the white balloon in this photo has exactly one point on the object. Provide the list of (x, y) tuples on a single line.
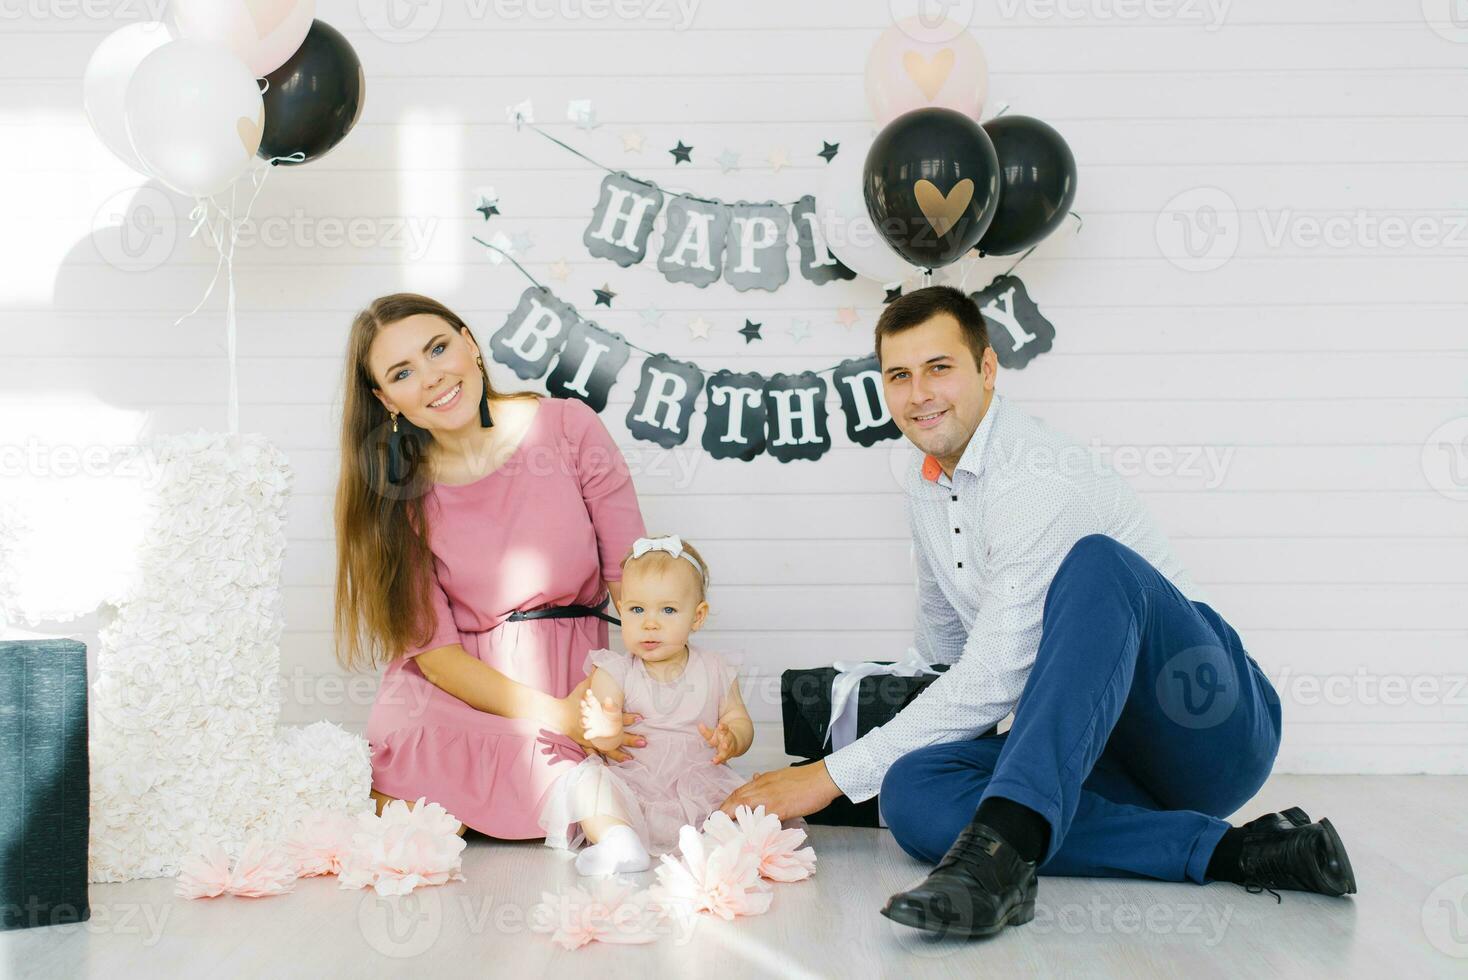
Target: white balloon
[(194, 114), (850, 233), (262, 33), (104, 84)]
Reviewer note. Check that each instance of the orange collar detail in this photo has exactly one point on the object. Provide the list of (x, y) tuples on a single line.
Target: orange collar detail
[(931, 469)]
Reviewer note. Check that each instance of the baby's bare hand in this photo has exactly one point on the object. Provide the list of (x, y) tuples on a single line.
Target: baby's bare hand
[(722, 740), (601, 720)]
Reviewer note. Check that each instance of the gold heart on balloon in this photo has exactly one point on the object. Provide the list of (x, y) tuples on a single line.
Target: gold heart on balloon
[(943, 210), (931, 184), (929, 74), (249, 130)]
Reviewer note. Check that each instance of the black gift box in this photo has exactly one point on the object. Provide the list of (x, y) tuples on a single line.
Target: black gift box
[(841, 812), (805, 704), (43, 781)]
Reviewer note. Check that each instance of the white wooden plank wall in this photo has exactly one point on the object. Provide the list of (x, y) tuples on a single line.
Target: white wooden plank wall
[(1314, 371)]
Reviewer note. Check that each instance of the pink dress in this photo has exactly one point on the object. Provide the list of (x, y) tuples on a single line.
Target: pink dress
[(545, 529), (670, 781)]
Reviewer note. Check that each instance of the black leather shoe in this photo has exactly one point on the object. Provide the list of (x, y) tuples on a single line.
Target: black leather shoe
[(980, 886), (1300, 856), (1283, 820)]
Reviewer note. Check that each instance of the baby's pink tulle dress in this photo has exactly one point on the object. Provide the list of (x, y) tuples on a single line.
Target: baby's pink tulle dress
[(670, 781)]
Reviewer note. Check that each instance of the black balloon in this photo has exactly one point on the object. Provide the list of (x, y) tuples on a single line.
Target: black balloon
[(1037, 183), (315, 98), (932, 185)]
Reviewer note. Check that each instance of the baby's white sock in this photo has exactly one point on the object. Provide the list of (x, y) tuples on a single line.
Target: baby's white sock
[(618, 852)]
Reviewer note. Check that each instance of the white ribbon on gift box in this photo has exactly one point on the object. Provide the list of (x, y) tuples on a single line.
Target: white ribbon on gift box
[(841, 732)]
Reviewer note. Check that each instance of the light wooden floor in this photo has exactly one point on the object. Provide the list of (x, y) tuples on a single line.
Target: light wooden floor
[(1406, 836)]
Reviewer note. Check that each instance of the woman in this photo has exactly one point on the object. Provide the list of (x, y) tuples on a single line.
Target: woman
[(474, 533)]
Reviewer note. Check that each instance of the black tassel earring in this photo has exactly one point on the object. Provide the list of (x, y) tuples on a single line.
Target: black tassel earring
[(484, 420), (399, 454)]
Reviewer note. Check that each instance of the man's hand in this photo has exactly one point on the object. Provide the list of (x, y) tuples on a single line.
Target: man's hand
[(794, 791)]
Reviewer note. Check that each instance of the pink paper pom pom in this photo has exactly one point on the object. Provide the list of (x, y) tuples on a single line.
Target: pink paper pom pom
[(712, 877), (404, 848), (777, 851), (607, 911), (204, 874), (320, 842), (261, 870)]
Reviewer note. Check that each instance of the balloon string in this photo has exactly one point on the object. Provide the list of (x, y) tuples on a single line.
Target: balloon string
[(200, 213), (967, 268), (234, 374), (1080, 223), (225, 241), (1019, 260)]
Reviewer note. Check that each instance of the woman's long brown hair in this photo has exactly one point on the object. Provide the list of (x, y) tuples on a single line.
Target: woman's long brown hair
[(383, 561)]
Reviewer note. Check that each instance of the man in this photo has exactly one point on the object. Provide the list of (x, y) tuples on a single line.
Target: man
[(1139, 719)]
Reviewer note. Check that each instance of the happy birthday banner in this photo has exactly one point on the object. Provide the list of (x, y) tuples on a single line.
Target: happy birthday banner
[(745, 414), (705, 239)]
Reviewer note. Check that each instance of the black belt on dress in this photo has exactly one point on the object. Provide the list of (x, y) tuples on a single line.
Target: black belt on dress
[(564, 612)]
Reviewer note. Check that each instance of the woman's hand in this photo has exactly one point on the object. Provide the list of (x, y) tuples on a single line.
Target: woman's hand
[(574, 726), (721, 740)]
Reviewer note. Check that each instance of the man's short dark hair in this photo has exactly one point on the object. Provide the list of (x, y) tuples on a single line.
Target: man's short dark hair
[(918, 307)]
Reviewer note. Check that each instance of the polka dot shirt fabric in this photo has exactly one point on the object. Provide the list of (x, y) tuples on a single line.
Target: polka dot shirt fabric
[(986, 545)]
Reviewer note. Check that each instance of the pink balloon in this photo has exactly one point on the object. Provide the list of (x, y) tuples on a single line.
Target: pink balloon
[(262, 33), (914, 65)]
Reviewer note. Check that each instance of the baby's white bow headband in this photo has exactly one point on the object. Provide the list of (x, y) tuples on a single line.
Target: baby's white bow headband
[(673, 545)]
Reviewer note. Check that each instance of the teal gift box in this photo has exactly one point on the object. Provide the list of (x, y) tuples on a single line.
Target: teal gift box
[(43, 783)]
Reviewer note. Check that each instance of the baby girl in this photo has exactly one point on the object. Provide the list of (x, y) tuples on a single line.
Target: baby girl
[(692, 714)]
